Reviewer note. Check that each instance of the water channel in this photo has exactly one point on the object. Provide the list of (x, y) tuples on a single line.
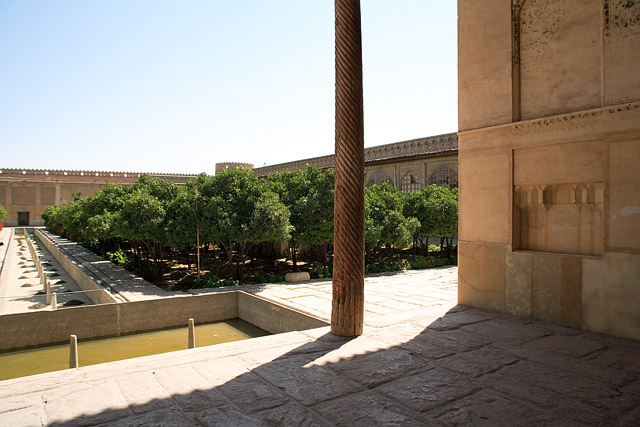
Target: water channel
[(54, 358)]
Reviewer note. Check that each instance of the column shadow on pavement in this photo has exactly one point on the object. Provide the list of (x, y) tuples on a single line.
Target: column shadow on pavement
[(468, 367)]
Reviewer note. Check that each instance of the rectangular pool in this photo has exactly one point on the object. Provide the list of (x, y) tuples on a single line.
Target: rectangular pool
[(91, 352)]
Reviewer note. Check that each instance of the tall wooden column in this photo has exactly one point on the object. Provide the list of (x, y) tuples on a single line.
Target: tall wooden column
[(348, 260)]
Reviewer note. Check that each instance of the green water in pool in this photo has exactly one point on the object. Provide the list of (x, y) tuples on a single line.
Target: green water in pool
[(91, 352)]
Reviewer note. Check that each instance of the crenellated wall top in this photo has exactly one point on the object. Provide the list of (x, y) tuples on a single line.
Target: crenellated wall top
[(88, 173), (83, 176)]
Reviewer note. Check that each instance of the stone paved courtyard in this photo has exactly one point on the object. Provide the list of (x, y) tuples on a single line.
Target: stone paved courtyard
[(421, 361)]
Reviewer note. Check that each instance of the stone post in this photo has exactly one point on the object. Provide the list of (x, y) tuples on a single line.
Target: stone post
[(30, 246), (41, 275), (73, 351), (192, 334), (47, 290), (54, 301), (348, 261)]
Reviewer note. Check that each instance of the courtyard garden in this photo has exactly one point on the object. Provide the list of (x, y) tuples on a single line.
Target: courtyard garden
[(234, 228)]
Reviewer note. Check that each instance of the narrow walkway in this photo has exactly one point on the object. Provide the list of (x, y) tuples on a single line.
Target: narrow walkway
[(123, 285), (421, 361), (5, 237), (21, 289)]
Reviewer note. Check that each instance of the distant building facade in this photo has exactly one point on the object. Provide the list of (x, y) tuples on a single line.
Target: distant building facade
[(232, 165), (26, 193), (408, 165)]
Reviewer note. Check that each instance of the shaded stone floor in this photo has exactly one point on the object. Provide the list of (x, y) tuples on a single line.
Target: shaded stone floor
[(421, 361)]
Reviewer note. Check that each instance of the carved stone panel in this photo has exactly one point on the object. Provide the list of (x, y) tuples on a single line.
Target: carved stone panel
[(622, 44), (563, 218), (560, 56)]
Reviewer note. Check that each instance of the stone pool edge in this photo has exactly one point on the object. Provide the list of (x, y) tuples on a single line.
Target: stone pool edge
[(27, 330)]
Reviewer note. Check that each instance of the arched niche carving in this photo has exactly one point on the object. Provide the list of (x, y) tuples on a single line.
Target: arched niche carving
[(561, 218)]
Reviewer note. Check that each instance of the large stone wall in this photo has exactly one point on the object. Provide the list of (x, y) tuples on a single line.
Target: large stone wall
[(549, 142)]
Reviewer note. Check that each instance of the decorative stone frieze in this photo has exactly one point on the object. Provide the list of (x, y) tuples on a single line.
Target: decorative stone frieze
[(562, 218)]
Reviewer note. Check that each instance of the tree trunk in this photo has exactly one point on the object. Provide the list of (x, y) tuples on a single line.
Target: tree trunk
[(228, 249), (294, 257), (136, 256), (272, 253), (150, 255), (449, 243), (158, 262), (312, 253), (243, 258), (324, 253), (147, 257)]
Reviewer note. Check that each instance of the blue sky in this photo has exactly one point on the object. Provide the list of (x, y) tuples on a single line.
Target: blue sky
[(176, 86)]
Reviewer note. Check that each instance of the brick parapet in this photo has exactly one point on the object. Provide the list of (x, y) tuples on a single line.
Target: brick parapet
[(89, 176)]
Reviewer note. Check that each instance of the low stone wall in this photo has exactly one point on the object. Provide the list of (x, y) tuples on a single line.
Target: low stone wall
[(176, 311), (48, 327), (106, 320), (77, 272), (273, 317), (24, 330)]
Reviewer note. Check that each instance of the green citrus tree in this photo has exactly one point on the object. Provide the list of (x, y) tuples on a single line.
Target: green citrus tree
[(243, 211), (143, 218), (3, 213), (308, 194), (436, 209), (385, 223)]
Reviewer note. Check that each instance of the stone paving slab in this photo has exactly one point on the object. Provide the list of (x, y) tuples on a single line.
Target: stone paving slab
[(449, 365)]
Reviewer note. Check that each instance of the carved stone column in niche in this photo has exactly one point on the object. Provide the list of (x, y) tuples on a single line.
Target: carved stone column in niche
[(563, 218)]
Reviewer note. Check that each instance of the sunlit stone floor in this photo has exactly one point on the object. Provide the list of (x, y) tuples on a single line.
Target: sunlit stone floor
[(421, 361)]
